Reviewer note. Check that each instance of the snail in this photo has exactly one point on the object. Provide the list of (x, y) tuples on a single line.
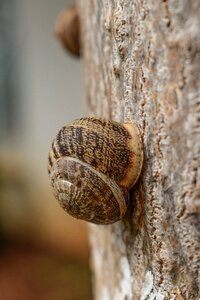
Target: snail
[(92, 166), (67, 30)]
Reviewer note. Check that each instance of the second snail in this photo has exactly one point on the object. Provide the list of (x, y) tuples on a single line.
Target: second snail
[(92, 166)]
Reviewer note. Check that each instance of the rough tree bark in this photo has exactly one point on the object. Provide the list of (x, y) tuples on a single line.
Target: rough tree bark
[(142, 62)]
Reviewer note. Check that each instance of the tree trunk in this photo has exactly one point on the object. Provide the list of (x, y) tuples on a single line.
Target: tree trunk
[(142, 62)]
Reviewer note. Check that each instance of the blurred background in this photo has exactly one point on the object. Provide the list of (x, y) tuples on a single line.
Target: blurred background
[(44, 252)]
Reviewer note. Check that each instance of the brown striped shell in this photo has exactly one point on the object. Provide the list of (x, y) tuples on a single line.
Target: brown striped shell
[(92, 165)]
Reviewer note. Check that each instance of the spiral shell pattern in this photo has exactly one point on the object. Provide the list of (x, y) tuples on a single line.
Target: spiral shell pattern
[(92, 165)]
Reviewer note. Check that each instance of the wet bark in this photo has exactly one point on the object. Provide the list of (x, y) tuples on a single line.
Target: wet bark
[(142, 62)]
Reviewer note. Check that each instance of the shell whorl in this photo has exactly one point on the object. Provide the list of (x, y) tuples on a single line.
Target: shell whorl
[(86, 193), (92, 166)]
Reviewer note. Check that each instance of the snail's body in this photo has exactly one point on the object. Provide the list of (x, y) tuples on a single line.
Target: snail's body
[(92, 165)]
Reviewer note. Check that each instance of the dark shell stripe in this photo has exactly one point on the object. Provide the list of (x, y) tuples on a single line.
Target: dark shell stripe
[(55, 150)]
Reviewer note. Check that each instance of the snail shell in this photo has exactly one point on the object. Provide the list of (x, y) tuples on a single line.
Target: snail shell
[(92, 166), (67, 30)]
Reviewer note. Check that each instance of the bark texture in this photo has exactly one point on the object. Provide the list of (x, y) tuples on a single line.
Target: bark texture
[(142, 62)]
